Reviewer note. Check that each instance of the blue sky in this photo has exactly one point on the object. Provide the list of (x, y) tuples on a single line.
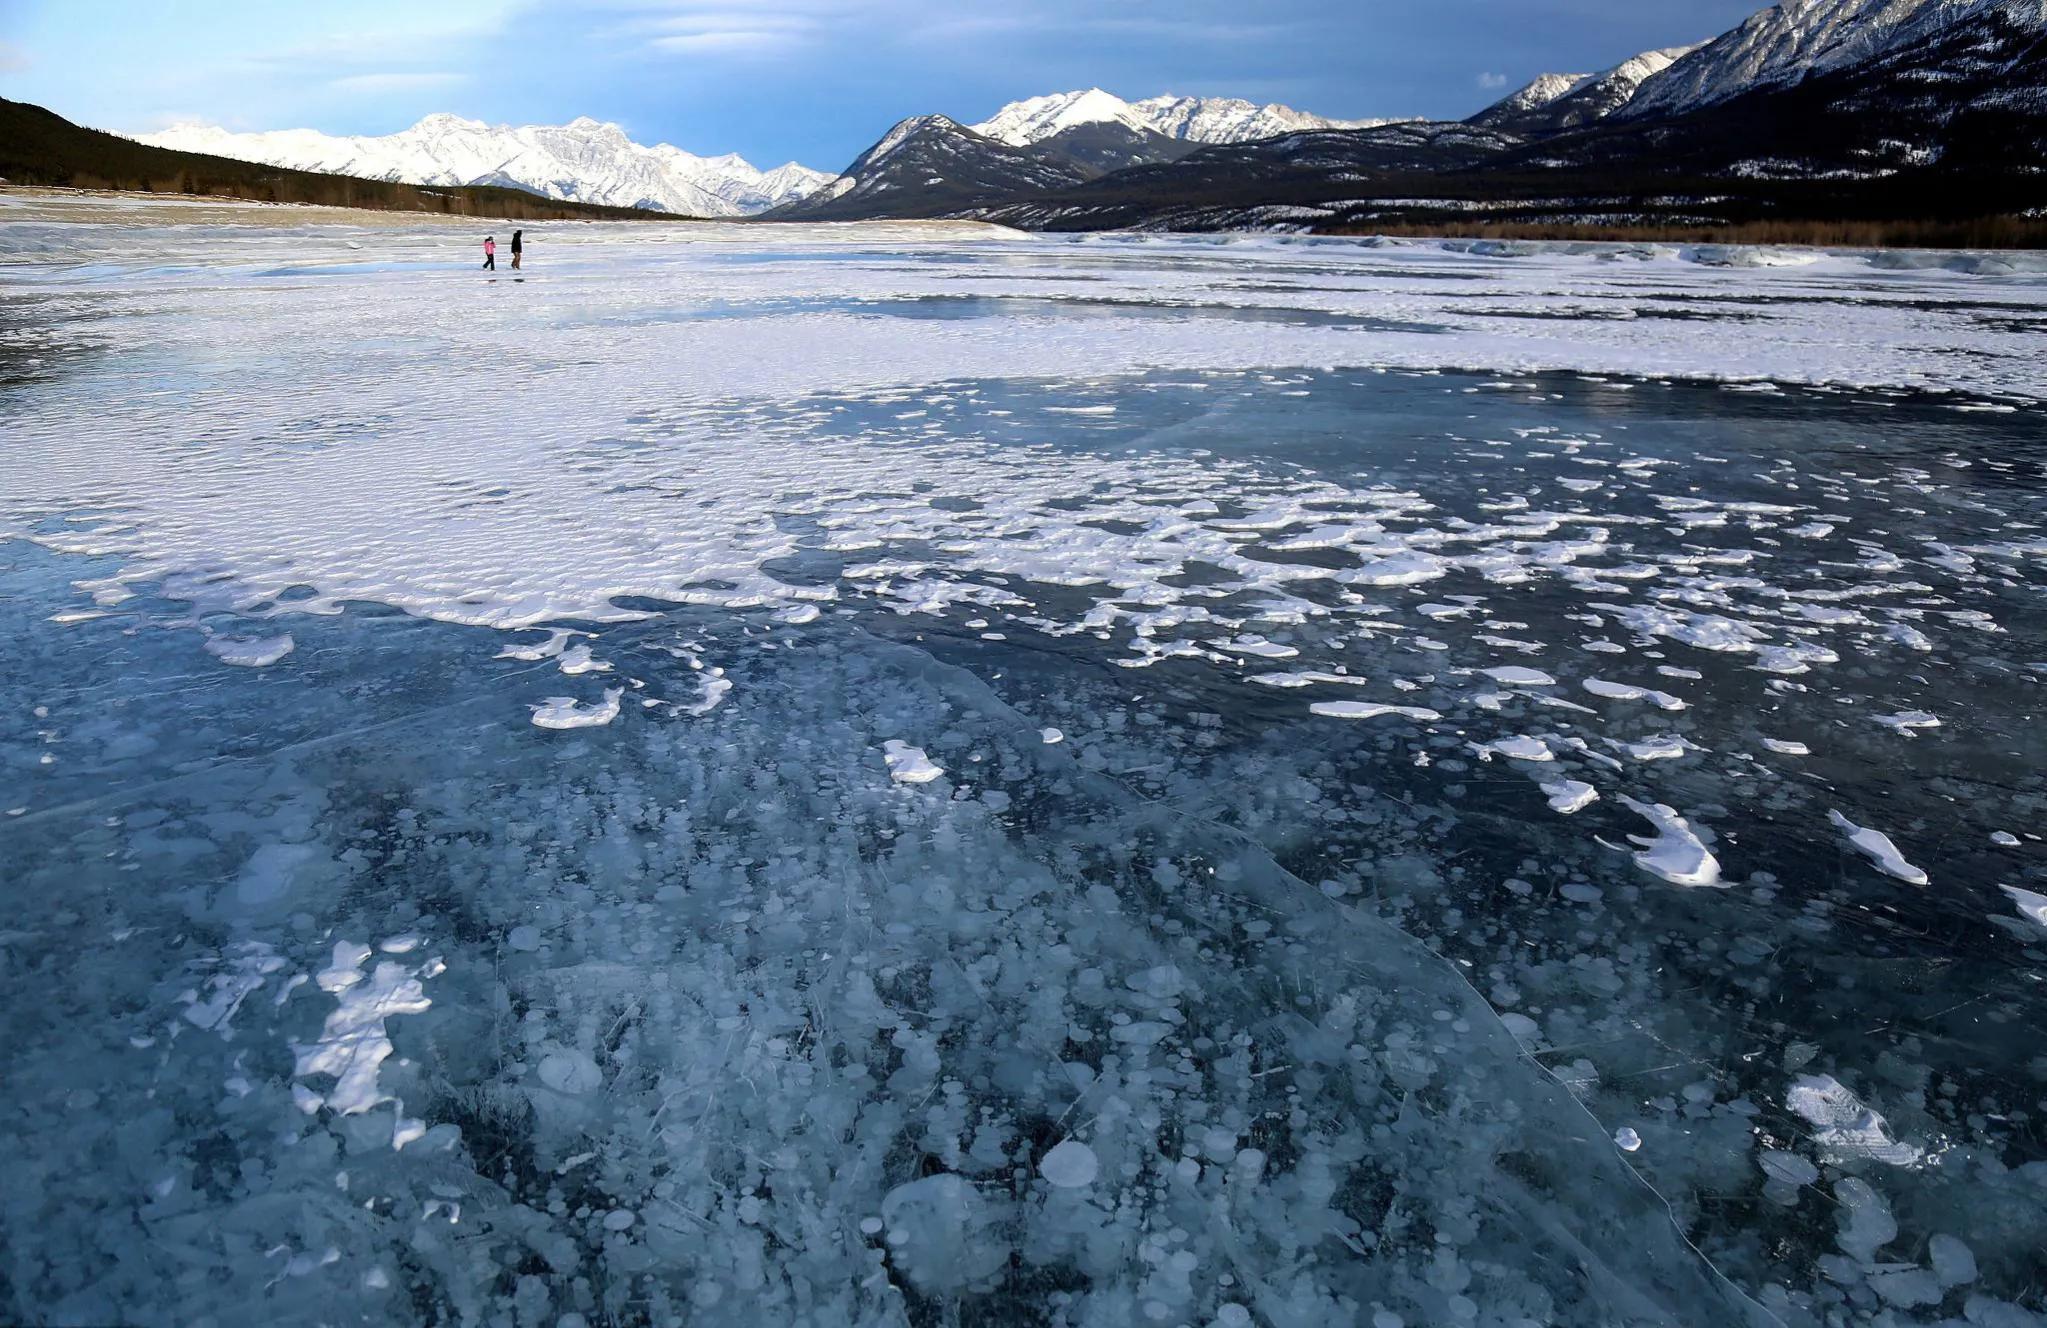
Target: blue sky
[(814, 80)]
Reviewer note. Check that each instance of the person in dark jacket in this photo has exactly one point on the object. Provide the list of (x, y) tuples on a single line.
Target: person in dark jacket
[(490, 252), (518, 248)]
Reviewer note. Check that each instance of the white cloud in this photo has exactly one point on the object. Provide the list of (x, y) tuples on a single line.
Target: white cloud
[(728, 28), (1492, 82), (396, 82), (12, 58), (737, 40)]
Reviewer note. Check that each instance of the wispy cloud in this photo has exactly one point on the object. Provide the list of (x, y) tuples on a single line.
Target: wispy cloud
[(740, 39), (396, 82), (12, 58), (1492, 82), (732, 28)]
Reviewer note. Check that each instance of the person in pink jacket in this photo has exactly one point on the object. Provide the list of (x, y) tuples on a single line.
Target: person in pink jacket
[(490, 253)]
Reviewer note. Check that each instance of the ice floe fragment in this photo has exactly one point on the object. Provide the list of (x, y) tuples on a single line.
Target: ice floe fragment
[(1905, 721), (2032, 907), (1570, 795), (566, 712), (250, 652), (1878, 848), (1370, 710), (1520, 747), (1674, 853), (1620, 691), (1519, 675)]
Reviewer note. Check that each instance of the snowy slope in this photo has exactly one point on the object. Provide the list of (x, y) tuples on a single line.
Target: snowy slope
[(1556, 102), (1536, 94), (1198, 119), (584, 160), (929, 164), (1789, 42)]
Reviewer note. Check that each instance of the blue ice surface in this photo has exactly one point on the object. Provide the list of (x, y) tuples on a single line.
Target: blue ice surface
[(338, 991)]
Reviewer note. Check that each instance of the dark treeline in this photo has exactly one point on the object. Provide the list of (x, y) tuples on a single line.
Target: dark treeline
[(38, 147)]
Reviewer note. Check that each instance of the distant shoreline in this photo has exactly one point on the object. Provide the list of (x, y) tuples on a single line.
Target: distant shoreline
[(2016, 234), (1923, 236)]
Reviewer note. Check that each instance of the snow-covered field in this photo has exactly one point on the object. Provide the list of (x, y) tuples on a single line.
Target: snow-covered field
[(924, 775)]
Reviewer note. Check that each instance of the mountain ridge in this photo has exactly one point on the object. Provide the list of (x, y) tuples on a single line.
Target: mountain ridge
[(1196, 119), (38, 147), (585, 160)]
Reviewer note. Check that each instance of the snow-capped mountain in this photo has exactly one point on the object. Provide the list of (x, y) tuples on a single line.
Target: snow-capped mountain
[(1798, 39), (1195, 119), (932, 162), (583, 160), (1532, 96), (1901, 109), (1553, 103)]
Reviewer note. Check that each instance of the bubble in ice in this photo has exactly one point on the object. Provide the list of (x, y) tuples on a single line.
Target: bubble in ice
[(1069, 1164)]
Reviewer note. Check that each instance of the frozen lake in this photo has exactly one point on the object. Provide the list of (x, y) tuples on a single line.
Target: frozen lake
[(920, 776)]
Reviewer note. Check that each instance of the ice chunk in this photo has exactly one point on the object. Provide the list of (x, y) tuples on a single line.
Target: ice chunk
[(1905, 721), (1518, 675), (1305, 679), (1664, 747), (1626, 1139), (250, 652), (1878, 848), (1051, 736), (2032, 907), (1570, 795), (557, 640), (1520, 747), (1675, 854), (907, 764), (1259, 646), (577, 659), (716, 687), (1070, 1165), (566, 712), (1620, 691), (1370, 710), (1787, 747)]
